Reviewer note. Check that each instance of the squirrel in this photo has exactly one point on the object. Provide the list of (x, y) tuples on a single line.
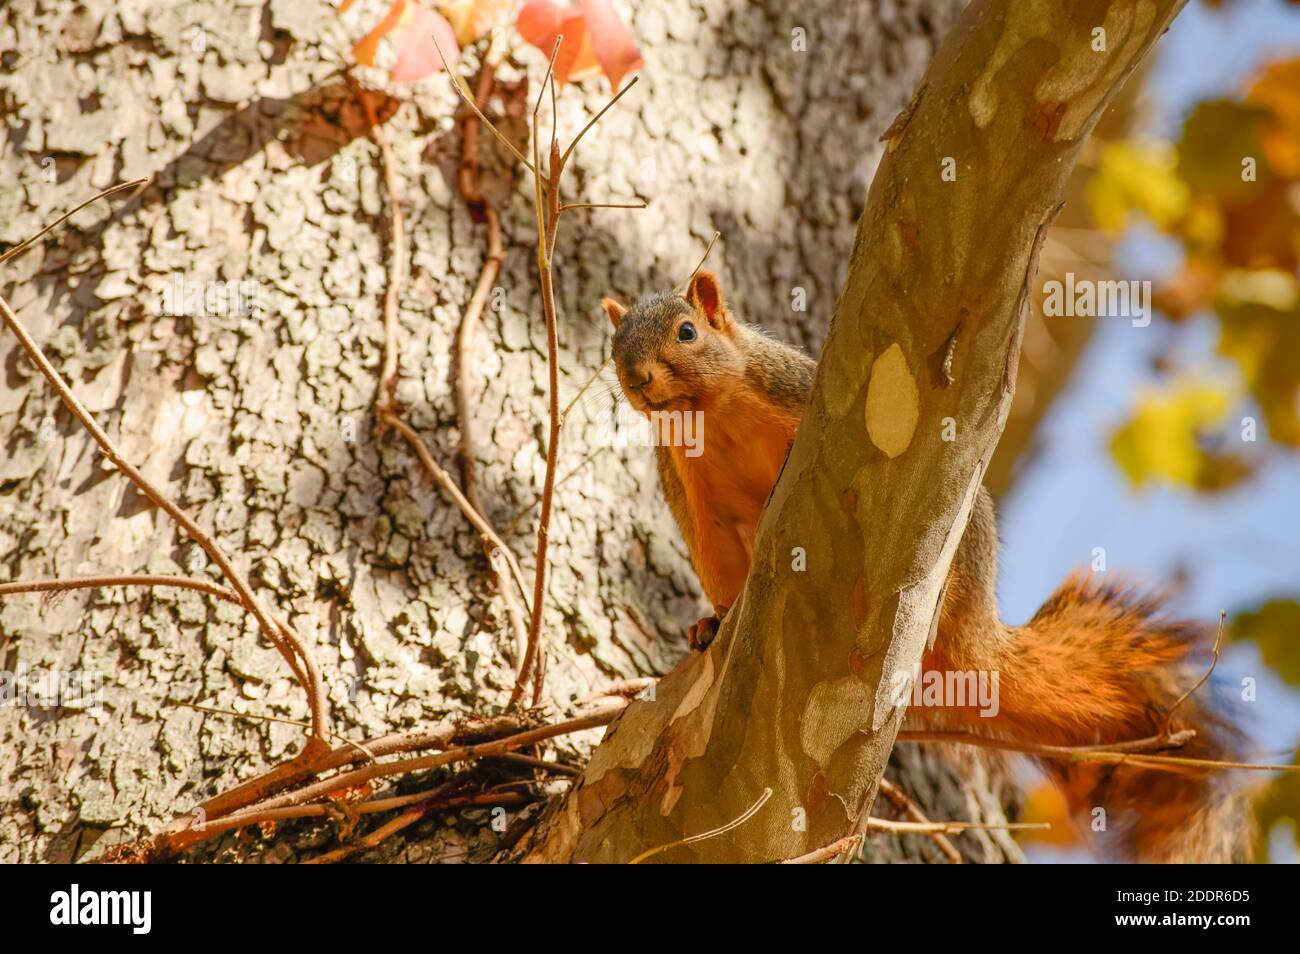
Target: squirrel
[(1098, 663)]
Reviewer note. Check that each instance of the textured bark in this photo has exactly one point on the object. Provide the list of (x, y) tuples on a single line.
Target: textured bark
[(262, 428), (797, 697)]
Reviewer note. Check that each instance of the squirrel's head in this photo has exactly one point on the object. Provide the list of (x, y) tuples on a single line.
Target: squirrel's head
[(675, 352)]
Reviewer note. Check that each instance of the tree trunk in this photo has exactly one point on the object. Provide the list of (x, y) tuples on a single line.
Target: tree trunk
[(262, 426), (788, 720)]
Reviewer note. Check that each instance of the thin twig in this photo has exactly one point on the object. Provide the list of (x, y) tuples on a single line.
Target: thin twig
[(279, 634), (469, 189), (126, 579), (951, 827), (113, 190), (703, 258), (1065, 752), (469, 100), (744, 816), (1218, 640), (386, 394), (564, 160), (546, 210), (602, 205), (903, 802), (828, 852), (556, 768), (1130, 753), (848, 842)]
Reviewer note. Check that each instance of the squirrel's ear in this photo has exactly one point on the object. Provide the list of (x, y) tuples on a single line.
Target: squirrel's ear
[(705, 296), (614, 310)]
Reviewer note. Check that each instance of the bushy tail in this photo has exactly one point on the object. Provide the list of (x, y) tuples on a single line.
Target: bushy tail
[(1099, 664)]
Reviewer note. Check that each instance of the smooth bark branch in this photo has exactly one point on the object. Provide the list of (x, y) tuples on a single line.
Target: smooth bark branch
[(795, 694)]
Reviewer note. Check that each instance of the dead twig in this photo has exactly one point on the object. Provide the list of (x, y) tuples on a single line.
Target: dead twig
[(548, 220), (386, 394), (290, 786), (470, 318), (548, 210), (903, 802), (278, 633), (56, 584), (1218, 640), (736, 822), (137, 184), (850, 842)]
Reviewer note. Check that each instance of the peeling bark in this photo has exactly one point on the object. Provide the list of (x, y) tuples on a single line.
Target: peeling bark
[(796, 694)]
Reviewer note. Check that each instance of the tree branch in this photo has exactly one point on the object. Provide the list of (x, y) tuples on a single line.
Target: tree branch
[(872, 499)]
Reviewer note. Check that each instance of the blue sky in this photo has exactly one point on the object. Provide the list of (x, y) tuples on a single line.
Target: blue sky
[(1241, 547)]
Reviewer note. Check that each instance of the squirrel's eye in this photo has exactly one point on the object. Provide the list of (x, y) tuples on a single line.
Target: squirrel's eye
[(686, 332)]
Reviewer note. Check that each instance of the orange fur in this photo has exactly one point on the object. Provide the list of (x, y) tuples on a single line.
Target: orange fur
[(1099, 664), (745, 444)]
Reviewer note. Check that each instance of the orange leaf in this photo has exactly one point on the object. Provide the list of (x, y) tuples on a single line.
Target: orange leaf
[(472, 19), (417, 56), (541, 21), (1045, 803), (613, 41), (412, 26), (364, 52), (1279, 89)]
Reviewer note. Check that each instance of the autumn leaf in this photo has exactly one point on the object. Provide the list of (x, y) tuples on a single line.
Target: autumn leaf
[(1277, 805), (595, 39), (1264, 341), (1164, 439), (541, 21), (1275, 629), (615, 46), (1045, 803), (1136, 177), (472, 19), (411, 27), (1278, 88), (1218, 137)]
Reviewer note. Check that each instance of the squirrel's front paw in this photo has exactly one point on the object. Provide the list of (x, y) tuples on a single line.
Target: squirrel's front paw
[(702, 632)]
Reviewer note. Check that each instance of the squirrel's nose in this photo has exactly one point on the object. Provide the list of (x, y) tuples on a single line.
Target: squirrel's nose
[(638, 385)]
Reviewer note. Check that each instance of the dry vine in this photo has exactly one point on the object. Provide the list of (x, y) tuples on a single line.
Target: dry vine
[(321, 781)]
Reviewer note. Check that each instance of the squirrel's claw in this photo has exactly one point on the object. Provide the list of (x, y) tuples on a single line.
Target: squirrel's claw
[(701, 633)]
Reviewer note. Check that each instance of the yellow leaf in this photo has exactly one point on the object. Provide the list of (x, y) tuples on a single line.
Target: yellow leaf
[(472, 19), (1162, 441), (1136, 177)]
